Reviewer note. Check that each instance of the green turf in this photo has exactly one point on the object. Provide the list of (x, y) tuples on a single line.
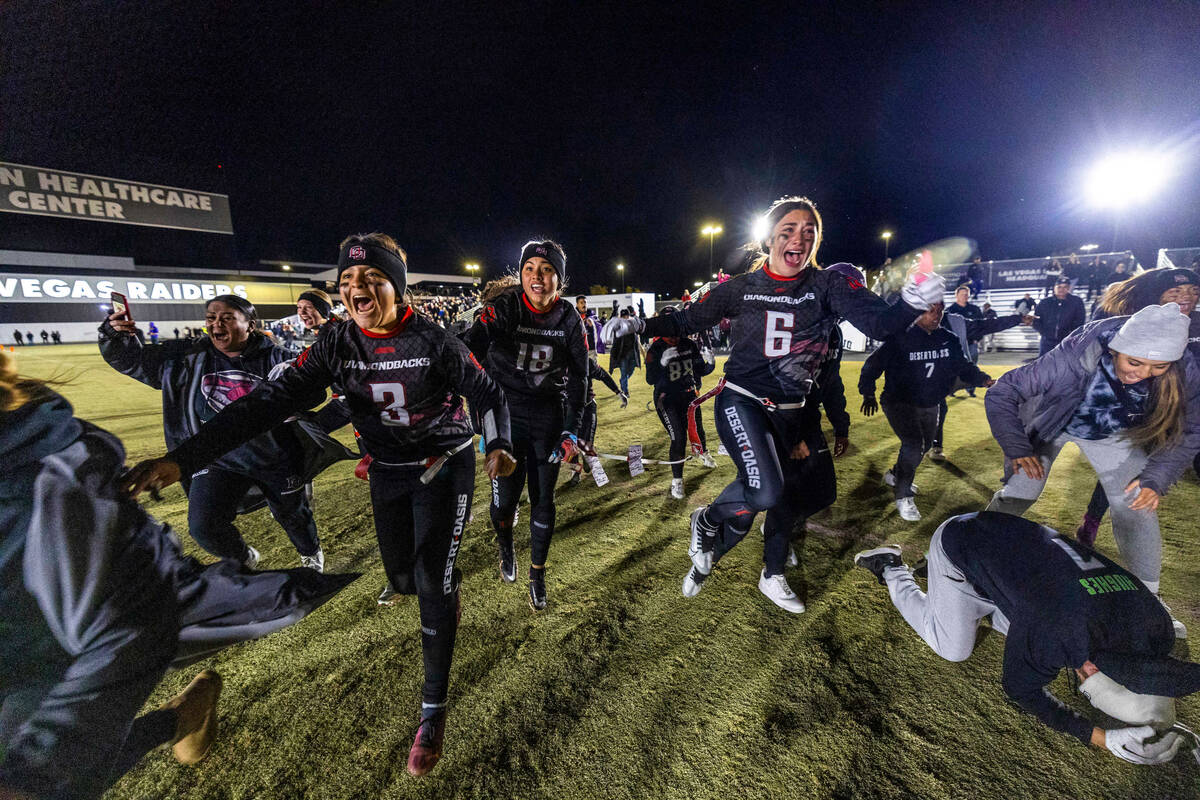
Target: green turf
[(623, 688)]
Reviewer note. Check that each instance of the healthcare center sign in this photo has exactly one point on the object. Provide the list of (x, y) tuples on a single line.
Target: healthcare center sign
[(54, 193)]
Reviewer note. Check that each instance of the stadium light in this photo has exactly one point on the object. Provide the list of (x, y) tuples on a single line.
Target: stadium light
[(887, 241), (697, 284), (621, 269), (1124, 178), (710, 231), (1087, 248), (760, 230), (286, 268)]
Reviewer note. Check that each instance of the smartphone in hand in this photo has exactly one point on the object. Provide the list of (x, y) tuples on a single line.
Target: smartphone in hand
[(120, 305)]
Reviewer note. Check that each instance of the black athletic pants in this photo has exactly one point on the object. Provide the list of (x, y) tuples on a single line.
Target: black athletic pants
[(536, 428), (769, 479), (672, 411), (213, 499), (419, 528), (916, 427)]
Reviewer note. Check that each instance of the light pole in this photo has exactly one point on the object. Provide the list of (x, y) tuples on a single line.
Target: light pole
[(621, 269), (710, 231), (473, 269), (887, 240)]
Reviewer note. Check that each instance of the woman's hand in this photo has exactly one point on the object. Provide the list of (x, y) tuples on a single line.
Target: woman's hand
[(500, 464), (154, 474), (120, 324), (1031, 466), (1147, 498), (800, 451), (869, 405)]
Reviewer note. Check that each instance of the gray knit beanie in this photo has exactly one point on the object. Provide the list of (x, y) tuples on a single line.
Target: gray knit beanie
[(1156, 333)]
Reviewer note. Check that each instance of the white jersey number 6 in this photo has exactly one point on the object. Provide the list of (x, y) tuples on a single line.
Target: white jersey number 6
[(778, 338)]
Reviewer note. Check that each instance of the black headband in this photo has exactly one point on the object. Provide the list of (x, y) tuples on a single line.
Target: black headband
[(550, 253), (391, 264), (319, 303), (240, 303)]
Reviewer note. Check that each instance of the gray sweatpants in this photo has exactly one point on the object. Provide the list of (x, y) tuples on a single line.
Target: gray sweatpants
[(1117, 462), (947, 615)]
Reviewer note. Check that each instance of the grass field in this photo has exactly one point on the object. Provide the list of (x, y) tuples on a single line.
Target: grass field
[(623, 688)]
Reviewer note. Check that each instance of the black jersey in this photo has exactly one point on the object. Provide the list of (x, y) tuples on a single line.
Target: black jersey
[(683, 368), (537, 357), (920, 367), (404, 390), (781, 325)]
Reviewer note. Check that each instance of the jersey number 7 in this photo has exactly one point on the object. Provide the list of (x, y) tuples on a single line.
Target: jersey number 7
[(389, 398)]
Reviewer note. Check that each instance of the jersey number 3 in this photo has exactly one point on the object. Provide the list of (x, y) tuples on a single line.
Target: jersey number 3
[(777, 341), (389, 398)]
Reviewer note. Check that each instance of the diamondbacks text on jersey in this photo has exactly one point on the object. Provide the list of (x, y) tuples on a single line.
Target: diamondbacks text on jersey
[(403, 389), (781, 325)]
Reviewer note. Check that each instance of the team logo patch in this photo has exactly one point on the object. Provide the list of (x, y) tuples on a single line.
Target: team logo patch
[(358, 251), (219, 389), (488, 314), (541, 251)]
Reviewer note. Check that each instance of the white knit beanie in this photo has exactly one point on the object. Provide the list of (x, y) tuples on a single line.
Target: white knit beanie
[(1156, 333)]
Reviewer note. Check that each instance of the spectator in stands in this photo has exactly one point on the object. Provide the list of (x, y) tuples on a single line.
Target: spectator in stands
[(1073, 270), (1097, 274), (1025, 305), (976, 273), (989, 313), (1052, 273), (1058, 316)]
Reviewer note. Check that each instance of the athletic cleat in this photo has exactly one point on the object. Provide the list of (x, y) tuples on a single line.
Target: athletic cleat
[(576, 475), (1088, 529), (426, 748), (315, 561), (1180, 628), (700, 547), (252, 558), (677, 488), (693, 582), (508, 561), (877, 560), (196, 717), (908, 509), (537, 590), (936, 454), (388, 596), (707, 460), (889, 479), (778, 591)]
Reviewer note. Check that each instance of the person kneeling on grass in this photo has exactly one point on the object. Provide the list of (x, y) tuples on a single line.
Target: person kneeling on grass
[(1059, 604), (404, 378), (99, 601), (919, 365), (1127, 393)]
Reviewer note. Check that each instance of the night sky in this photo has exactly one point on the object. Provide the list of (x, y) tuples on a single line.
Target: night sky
[(464, 130)]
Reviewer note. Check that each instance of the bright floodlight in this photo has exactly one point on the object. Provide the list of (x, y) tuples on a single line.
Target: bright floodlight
[(711, 230), (621, 267), (761, 231), (697, 284), (1126, 178), (1087, 248), (886, 234)]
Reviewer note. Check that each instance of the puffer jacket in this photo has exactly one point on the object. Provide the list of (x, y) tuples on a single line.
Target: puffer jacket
[(1030, 406)]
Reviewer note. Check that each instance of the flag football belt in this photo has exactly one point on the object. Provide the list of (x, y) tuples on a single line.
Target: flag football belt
[(767, 403), (432, 465)]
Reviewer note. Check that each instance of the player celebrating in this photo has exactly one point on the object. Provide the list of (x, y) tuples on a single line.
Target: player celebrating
[(404, 377), (1059, 604), (920, 365), (674, 367), (1124, 391), (197, 380), (781, 318), (531, 342)]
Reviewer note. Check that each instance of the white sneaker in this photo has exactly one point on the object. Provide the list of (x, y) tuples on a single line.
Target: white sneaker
[(889, 479), (315, 561), (936, 454), (1180, 628), (677, 488), (251, 559), (778, 591), (707, 460), (908, 509), (693, 582)]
